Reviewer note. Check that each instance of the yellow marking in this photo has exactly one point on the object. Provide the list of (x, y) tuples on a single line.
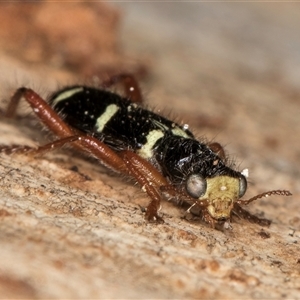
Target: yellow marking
[(106, 116), (180, 132), (152, 137), (176, 130), (67, 94), (160, 125)]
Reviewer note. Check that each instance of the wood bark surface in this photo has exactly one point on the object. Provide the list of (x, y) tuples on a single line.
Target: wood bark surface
[(69, 228)]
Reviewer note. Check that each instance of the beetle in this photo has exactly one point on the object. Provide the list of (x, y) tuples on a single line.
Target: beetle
[(163, 156)]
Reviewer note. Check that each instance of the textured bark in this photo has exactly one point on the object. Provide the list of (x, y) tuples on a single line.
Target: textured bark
[(71, 229)]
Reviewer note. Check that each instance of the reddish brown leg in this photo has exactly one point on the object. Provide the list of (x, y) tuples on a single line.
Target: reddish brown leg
[(40, 107), (125, 162), (86, 143), (153, 183), (130, 85), (53, 121), (218, 149), (242, 213), (208, 218), (39, 150), (14, 102), (15, 149), (150, 180)]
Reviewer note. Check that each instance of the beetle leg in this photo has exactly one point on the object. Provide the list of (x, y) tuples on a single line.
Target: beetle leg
[(242, 213), (150, 180), (217, 149), (53, 121), (42, 109), (130, 85), (11, 149), (125, 162)]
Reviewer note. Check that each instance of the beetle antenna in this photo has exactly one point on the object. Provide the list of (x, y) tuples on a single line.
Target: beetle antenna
[(265, 194)]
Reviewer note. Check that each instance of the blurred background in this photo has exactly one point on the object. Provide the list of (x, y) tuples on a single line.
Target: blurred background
[(228, 69), (231, 67)]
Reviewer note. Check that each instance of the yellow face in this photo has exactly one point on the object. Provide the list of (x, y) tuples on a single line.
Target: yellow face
[(221, 192)]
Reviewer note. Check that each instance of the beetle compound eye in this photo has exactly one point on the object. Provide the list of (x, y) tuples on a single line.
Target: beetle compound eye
[(243, 186), (196, 185)]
